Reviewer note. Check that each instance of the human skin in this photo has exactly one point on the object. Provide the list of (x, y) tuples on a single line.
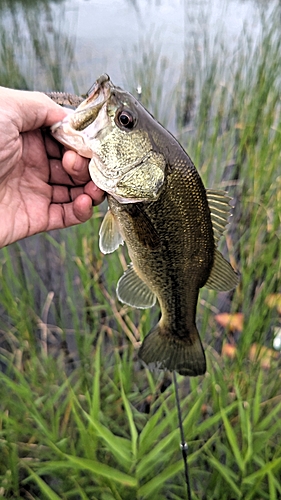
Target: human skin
[(40, 187)]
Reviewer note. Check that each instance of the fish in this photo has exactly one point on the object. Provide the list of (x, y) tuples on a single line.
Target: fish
[(158, 206)]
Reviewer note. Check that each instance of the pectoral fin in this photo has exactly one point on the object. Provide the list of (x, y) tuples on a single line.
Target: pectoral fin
[(222, 277), (133, 291), (109, 233)]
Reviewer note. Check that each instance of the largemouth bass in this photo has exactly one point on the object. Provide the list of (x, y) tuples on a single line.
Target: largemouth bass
[(159, 206)]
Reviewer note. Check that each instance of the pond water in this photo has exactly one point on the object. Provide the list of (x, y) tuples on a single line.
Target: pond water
[(112, 35), (107, 32), (154, 45), (67, 45)]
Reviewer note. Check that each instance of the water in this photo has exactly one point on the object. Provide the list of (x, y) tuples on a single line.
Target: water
[(65, 46), (108, 31)]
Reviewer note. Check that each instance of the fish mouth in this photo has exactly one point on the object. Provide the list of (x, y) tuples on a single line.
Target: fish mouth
[(88, 110), (81, 126), (83, 129)]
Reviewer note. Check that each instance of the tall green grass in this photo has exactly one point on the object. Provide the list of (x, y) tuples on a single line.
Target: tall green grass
[(79, 416), (35, 53)]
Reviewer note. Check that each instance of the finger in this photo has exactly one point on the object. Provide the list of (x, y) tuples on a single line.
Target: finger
[(76, 166), (63, 194), (96, 193), (69, 214), (58, 175), (53, 148), (32, 110), (82, 207)]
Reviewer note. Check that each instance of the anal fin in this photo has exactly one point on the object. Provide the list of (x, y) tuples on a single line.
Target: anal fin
[(222, 277)]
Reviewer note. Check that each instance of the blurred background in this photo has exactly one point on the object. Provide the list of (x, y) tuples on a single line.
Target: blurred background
[(78, 413)]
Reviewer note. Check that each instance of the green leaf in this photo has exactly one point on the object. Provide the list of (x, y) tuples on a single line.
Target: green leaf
[(230, 477), (266, 423), (46, 490), (262, 471), (272, 486), (165, 417), (133, 430), (95, 406), (213, 420), (150, 427), (88, 442), (232, 440), (120, 447), (256, 405), (158, 481), (156, 454), (246, 427), (103, 470), (156, 426)]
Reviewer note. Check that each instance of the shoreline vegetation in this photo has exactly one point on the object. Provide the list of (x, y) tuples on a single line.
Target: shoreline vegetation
[(80, 418)]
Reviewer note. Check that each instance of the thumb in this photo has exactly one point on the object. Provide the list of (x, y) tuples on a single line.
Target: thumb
[(30, 110)]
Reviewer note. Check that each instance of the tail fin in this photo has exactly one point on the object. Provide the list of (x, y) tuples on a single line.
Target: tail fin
[(163, 350)]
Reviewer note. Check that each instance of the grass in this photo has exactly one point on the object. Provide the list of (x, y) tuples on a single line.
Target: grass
[(80, 418)]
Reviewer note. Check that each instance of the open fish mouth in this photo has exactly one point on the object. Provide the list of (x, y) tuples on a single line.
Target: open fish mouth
[(88, 110), (94, 130), (78, 128)]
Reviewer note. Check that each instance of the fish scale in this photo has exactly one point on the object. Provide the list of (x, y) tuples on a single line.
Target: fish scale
[(179, 265), (159, 206)]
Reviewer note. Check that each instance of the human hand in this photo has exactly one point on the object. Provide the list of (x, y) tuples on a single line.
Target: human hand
[(40, 189)]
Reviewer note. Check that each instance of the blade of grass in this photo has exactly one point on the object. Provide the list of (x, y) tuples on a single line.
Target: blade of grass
[(46, 490), (229, 476), (103, 470)]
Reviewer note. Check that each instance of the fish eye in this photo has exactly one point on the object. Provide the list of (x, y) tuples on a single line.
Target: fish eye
[(126, 119)]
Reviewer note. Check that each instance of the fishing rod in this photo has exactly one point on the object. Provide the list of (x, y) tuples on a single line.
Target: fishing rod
[(183, 443)]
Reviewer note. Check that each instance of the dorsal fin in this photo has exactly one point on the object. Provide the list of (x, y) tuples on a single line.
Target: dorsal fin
[(220, 211)]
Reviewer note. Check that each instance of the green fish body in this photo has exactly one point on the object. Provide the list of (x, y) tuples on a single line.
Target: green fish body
[(159, 206)]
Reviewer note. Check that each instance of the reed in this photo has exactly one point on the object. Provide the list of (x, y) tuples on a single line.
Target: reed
[(79, 416)]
